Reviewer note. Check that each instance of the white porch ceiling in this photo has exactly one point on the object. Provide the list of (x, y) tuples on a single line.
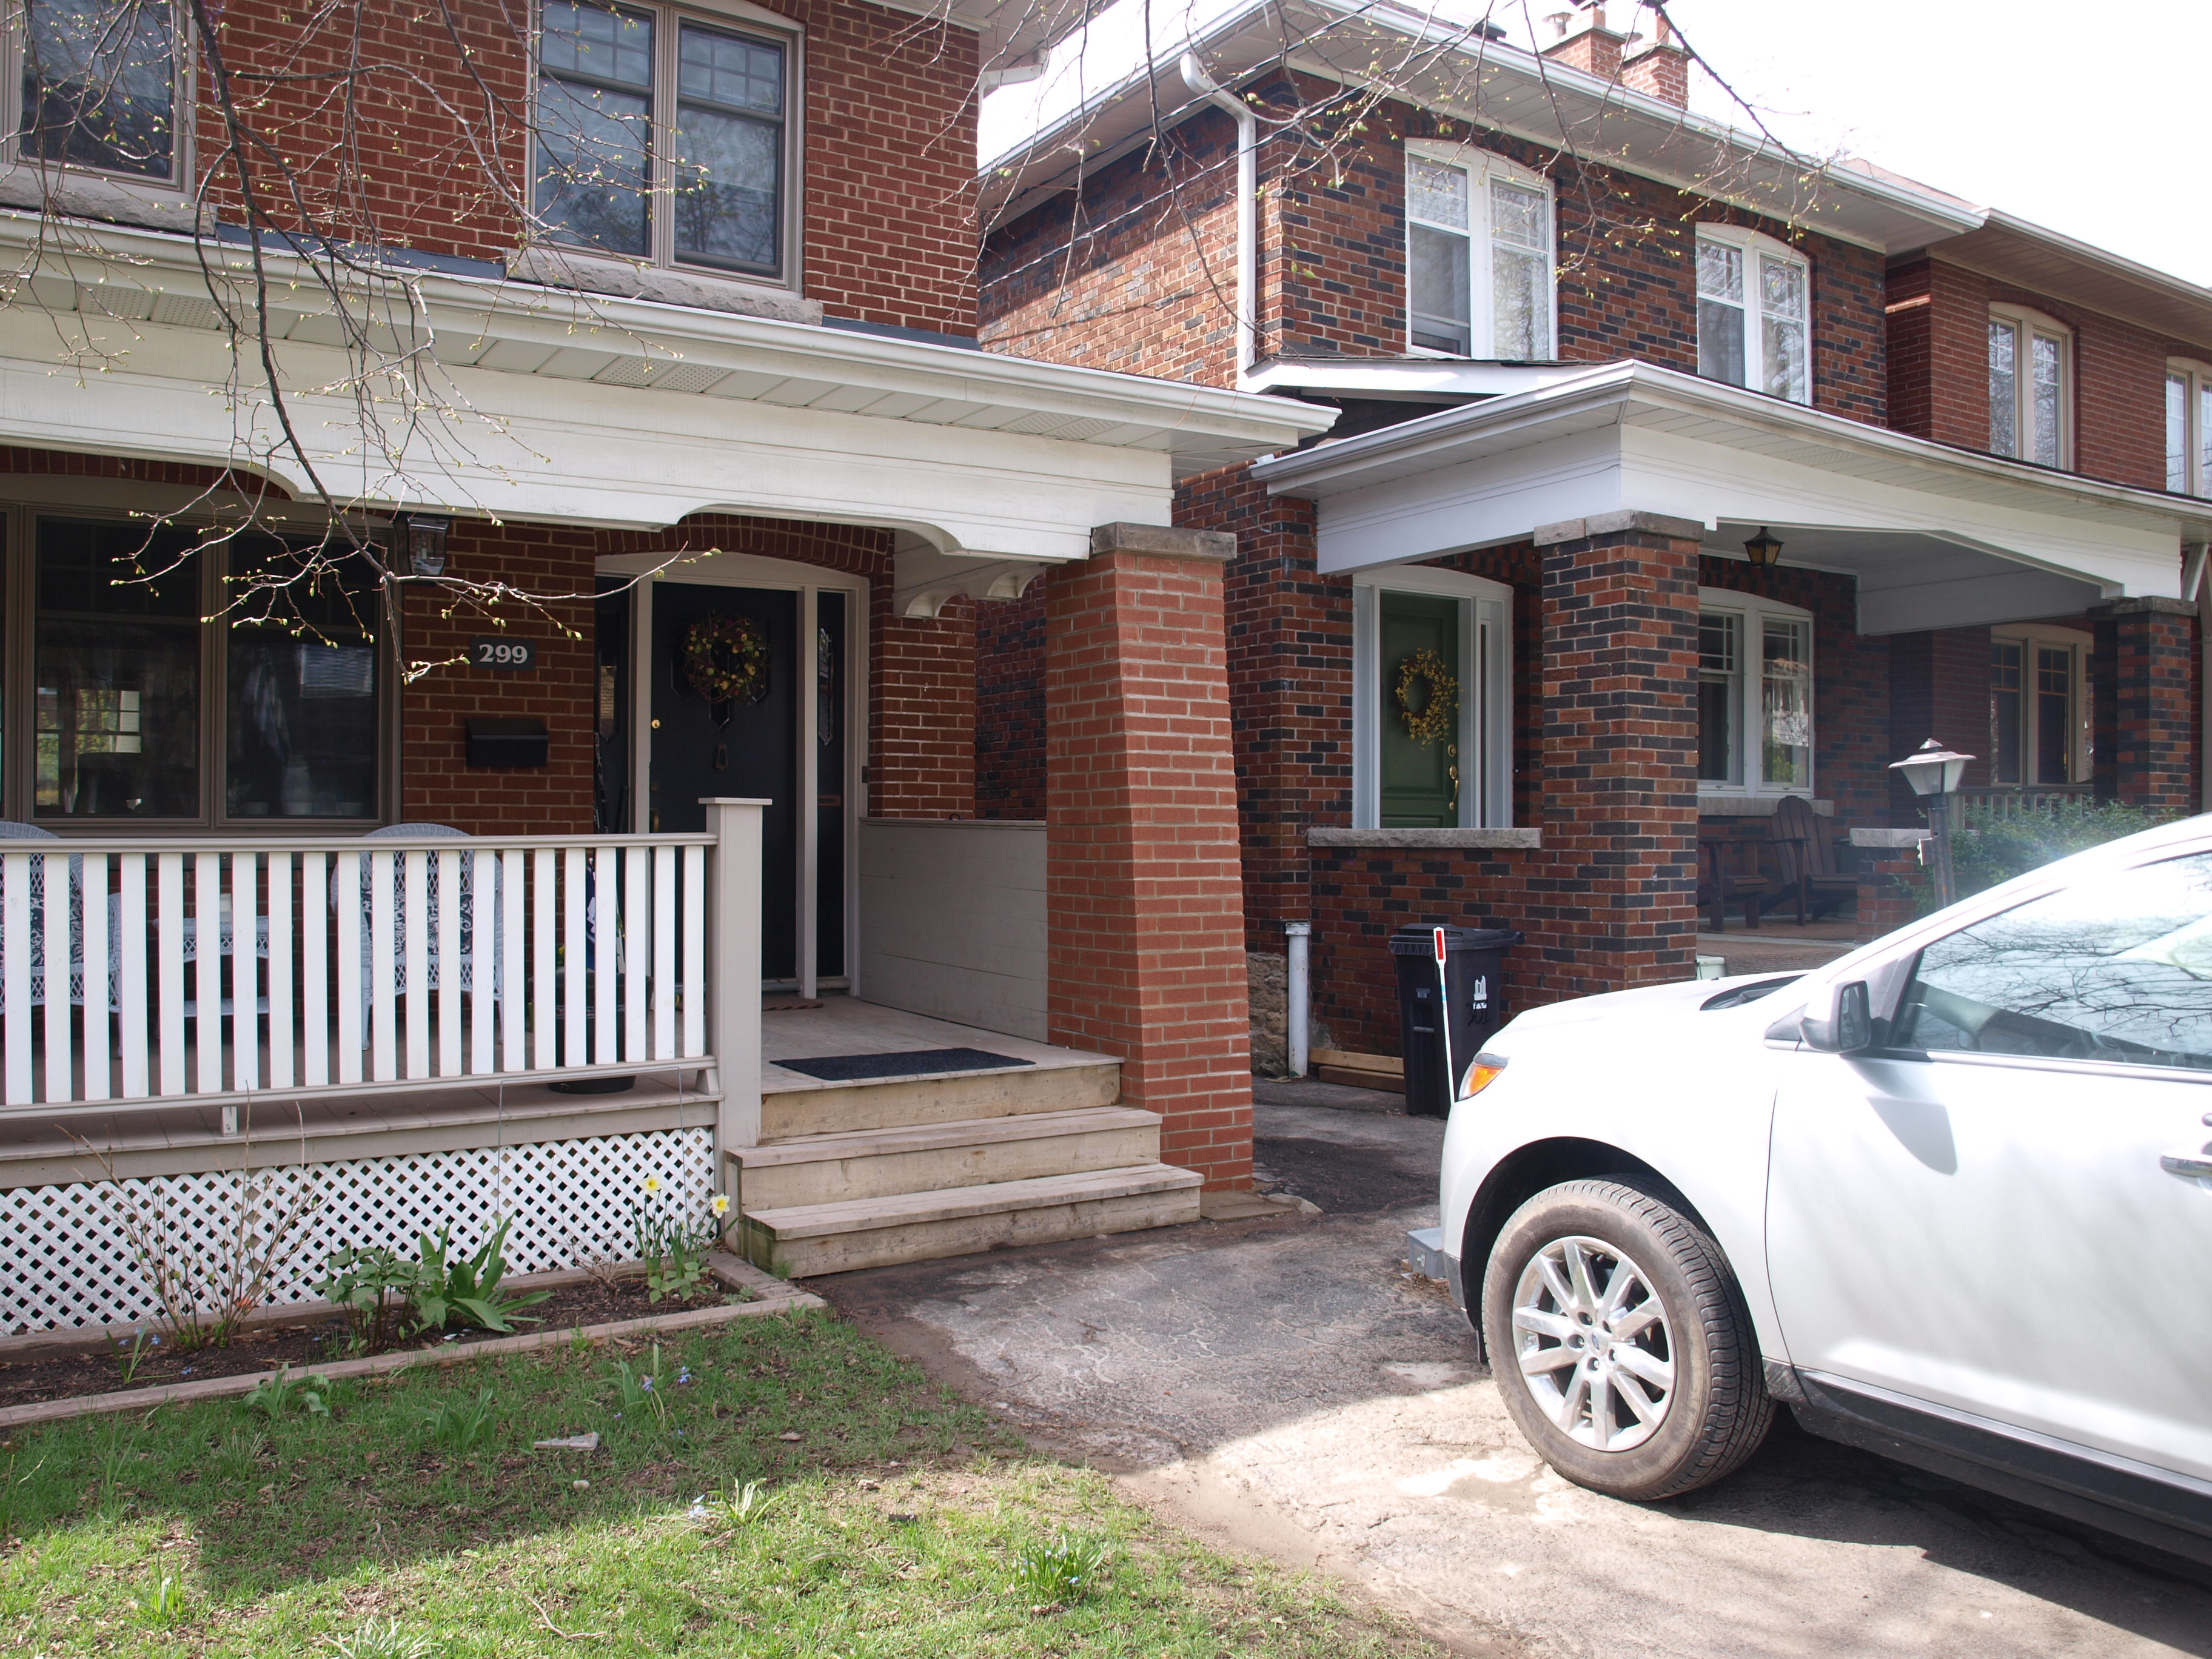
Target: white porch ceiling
[(1907, 581)]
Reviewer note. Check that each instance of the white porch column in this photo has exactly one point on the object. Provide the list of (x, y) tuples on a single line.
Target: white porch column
[(733, 976)]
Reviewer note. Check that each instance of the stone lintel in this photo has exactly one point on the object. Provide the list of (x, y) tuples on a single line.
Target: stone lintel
[(1618, 523), (1162, 541), (1472, 839), (2147, 604)]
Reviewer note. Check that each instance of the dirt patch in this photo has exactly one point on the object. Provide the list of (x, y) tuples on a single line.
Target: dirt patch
[(1342, 1178), (92, 1367)]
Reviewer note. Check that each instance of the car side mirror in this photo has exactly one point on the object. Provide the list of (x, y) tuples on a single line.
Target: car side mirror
[(1842, 1023)]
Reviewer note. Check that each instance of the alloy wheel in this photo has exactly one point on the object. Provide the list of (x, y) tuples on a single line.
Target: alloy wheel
[(1593, 1343)]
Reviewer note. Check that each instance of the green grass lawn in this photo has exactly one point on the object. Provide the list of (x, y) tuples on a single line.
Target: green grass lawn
[(888, 1518)]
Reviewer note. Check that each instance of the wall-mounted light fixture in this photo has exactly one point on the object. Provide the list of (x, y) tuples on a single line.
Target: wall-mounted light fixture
[(1762, 549), (426, 541)]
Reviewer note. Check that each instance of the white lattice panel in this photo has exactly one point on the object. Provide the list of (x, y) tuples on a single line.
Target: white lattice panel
[(571, 1200)]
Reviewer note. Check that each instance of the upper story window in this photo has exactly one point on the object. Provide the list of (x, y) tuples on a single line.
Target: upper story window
[(2189, 428), (97, 84), (1754, 312), (2030, 366), (662, 135), (1477, 257), (1754, 694)]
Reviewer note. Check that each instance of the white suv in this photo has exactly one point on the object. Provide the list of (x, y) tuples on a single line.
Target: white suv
[(1950, 1198)]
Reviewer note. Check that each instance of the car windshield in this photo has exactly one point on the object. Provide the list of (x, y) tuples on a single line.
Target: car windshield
[(2118, 968)]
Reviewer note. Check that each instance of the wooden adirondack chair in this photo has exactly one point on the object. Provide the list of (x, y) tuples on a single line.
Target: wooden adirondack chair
[(1807, 851), (1728, 871)]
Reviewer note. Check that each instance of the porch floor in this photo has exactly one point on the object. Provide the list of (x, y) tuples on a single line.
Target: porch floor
[(843, 1025), (1780, 946)]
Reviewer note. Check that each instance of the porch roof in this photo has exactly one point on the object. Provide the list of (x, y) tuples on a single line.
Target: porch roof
[(1937, 537)]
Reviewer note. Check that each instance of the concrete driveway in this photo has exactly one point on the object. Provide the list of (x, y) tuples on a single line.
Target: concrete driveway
[(1283, 1385)]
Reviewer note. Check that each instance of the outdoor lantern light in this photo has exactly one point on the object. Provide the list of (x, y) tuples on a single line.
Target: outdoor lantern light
[(1935, 772), (1761, 549), (426, 542)]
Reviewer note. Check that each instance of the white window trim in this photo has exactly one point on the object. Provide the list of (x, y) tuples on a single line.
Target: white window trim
[(1480, 165), (30, 182), (2079, 761), (1758, 243), (2196, 465), (559, 260), (1486, 796), (2032, 323), (1753, 608)]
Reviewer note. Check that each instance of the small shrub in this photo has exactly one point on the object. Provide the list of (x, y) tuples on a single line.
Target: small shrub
[(370, 1288), (1060, 1572), (456, 1425), (465, 1291), (673, 1247), (1993, 848)]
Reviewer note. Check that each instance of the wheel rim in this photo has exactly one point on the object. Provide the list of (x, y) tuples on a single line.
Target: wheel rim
[(1594, 1344)]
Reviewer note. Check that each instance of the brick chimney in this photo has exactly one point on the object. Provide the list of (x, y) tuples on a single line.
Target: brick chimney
[(1658, 66), (1585, 43)]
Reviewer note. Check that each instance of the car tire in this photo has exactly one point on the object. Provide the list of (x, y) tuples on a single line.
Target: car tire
[(1620, 1342)]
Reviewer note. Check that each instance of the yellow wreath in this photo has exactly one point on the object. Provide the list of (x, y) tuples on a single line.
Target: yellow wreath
[(1435, 719), (725, 658)]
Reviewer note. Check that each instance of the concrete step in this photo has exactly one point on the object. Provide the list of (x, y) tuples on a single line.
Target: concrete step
[(931, 1156), (897, 1103), (806, 1240)]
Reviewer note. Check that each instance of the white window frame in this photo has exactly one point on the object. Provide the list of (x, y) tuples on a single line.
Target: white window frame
[(2189, 473), (2029, 325), (2079, 760), (1482, 168), (565, 258), (1486, 664), (1756, 249), (1754, 609), (33, 182)]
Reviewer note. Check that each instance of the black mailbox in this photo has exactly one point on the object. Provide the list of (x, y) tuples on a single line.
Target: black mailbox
[(507, 742)]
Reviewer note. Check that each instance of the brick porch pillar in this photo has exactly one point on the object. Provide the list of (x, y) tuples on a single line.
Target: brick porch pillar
[(1620, 802), (2146, 718), (1143, 896)]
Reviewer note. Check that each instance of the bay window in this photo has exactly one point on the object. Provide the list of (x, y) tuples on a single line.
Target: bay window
[(662, 134), (1432, 745), (97, 86), (1754, 312), (1754, 696), (2189, 428), (1478, 279), (2030, 395)]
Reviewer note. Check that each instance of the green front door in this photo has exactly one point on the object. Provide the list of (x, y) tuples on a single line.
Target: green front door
[(1420, 715)]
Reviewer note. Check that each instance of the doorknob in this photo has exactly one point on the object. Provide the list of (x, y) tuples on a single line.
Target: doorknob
[(2190, 1166)]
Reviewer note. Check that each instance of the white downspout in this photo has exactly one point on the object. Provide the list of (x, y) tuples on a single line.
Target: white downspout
[(1299, 936), (1247, 212)]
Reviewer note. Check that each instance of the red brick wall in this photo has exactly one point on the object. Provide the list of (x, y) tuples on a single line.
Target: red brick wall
[(2120, 391), (889, 135), (1939, 353), (1939, 687), (2146, 709), (1142, 898), (1010, 741), (923, 765)]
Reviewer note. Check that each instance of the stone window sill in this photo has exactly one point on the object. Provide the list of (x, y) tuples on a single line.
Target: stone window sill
[(1473, 840)]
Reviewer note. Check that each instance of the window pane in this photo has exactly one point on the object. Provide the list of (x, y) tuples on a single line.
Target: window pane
[(727, 169), (730, 70), (1435, 193), (116, 664), (1786, 705), (597, 43), (1720, 341), (300, 735), (592, 166), (2204, 440), (2050, 357), (1720, 684), (2118, 969), (2005, 694), (2177, 432), (1436, 280), (1781, 310), (100, 84), (1720, 272), (2054, 713), (1781, 289), (1521, 304), (2004, 389), (1517, 216)]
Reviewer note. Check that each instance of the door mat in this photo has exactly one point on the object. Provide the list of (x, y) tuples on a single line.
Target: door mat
[(918, 1062)]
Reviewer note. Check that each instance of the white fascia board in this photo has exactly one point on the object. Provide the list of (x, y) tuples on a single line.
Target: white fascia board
[(1407, 377)]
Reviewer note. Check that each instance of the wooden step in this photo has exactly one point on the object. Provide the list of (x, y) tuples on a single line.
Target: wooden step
[(895, 1102), (806, 1240), (931, 1156)]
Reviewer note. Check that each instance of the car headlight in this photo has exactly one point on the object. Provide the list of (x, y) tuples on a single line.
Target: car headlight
[(1481, 1072)]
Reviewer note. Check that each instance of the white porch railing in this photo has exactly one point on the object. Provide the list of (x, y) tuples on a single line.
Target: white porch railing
[(230, 969)]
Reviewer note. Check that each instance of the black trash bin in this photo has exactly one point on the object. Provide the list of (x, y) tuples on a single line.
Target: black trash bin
[(1450, 999)]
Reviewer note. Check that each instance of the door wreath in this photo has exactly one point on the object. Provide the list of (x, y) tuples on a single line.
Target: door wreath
[(725, 658), (1428, 698)]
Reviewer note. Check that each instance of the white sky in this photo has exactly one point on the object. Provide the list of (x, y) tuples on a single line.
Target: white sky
[(2093, 125)]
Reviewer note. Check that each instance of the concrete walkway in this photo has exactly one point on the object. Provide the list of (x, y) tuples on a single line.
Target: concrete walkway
[(1284, 1386)]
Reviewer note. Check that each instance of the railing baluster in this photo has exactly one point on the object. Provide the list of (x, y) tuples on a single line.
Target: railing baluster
[(417, 982), (449, 964), (606, 949), (131, 1010), (347, 884), (169, 956), (314, 968), (383, 969), (99, 1081), (16, 973), (283, 1070), (544, 1028), (576, 952), (695, 952), (61, 1068), (245, 972), (637, 940), (207, 971), (663, 953), (513, 1055)]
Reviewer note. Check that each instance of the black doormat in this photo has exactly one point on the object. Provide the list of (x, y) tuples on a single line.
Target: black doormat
[(845, 1068)]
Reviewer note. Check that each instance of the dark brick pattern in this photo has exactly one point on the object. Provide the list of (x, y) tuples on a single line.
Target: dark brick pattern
[(1009, 740), (2146, 713)]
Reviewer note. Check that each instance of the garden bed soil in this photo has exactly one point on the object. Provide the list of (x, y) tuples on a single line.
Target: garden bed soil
[(29, 1378)]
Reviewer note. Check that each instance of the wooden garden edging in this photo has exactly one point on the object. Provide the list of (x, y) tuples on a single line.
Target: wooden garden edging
[(773, 1296)]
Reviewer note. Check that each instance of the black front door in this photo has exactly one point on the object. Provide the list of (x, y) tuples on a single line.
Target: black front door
[(745, 746)]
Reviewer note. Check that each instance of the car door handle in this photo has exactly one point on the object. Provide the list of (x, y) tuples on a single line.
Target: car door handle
[(2188, 1165)]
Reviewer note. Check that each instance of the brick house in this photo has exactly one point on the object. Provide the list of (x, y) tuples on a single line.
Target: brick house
[(1585, 346), (734, 430)]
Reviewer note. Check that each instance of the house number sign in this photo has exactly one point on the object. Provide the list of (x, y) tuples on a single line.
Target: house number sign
[(493, 652)]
